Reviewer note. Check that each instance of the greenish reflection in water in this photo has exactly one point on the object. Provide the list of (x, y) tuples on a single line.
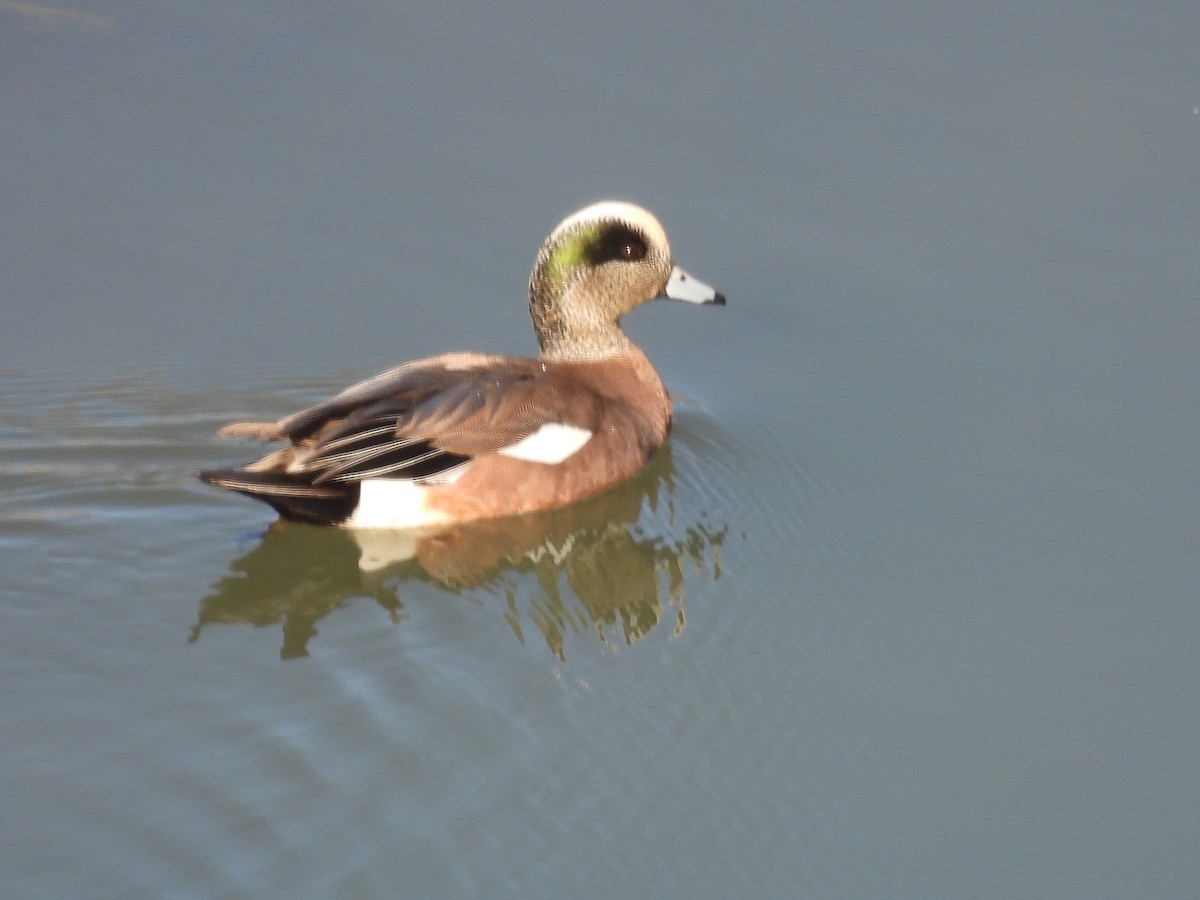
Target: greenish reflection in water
[(614, 565)]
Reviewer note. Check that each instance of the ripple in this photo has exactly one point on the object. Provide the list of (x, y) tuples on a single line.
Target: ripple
[(73, 445)]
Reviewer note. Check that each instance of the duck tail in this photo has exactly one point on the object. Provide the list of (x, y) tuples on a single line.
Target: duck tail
[(294, 497)]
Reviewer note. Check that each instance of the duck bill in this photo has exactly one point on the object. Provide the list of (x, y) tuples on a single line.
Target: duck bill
[(682, 286)]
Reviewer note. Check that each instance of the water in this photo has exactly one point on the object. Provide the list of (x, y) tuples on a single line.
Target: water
[(907, 608)]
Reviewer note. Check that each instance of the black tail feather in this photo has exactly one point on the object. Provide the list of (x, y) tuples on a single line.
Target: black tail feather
[(293, 497)]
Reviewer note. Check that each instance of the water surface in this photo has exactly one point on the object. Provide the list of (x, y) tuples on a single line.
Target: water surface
[(907, 607)]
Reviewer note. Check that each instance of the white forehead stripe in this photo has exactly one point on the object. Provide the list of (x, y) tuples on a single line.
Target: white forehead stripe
[(550, 444), (619, 211)]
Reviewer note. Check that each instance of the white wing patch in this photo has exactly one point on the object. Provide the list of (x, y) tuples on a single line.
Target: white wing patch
[(550, 444)]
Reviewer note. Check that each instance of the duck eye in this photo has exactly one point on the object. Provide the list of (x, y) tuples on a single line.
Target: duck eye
[(617, 243), (632, 251)]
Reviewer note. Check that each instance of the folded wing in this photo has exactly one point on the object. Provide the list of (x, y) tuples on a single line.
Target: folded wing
[(423, 421)]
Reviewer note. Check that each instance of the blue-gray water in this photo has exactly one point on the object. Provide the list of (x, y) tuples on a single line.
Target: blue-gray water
[(909, 608)]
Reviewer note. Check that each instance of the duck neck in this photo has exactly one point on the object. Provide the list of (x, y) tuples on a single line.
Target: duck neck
[(570, 329), (580, 344)]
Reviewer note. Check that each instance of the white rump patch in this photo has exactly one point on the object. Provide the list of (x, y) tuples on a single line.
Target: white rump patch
[(550, 444), (393, 503)]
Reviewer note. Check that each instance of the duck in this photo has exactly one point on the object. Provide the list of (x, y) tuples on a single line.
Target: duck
[(468, 436)]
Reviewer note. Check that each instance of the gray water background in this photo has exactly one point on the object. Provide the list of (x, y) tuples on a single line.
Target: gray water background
[(909, 608)]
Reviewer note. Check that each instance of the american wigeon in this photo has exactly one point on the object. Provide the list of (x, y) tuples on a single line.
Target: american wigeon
[(466, 436)]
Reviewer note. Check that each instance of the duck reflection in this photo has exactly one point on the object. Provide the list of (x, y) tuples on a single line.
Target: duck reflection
[(614, 565)]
